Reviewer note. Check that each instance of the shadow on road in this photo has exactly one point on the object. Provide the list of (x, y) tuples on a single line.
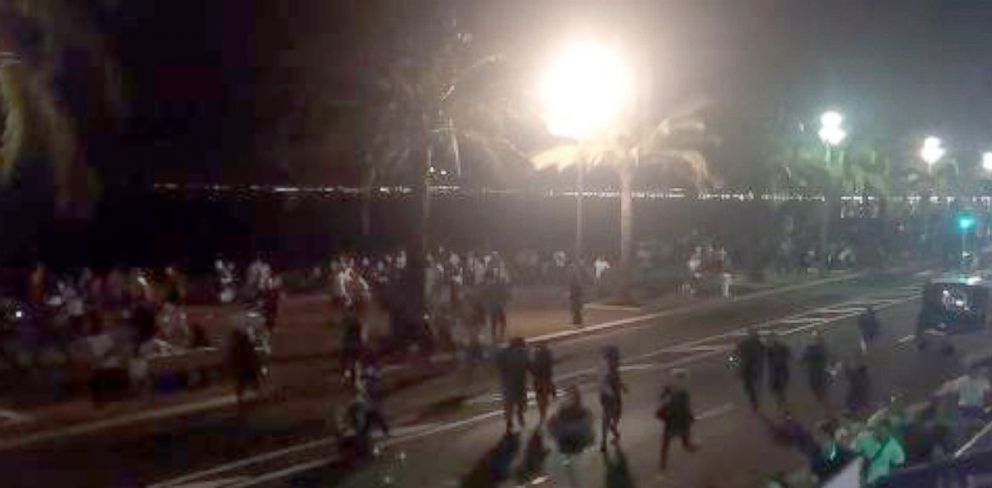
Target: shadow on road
[(617, 473), (494, 467), (535, 453)]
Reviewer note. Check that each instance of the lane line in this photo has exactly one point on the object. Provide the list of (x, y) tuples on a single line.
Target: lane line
[(100, 425), (14, 417), (906, 339), (971, 442), (716, 411), (604, 306), (688, 308)]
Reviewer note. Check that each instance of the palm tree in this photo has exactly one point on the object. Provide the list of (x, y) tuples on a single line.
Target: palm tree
[(674, 140), (421, 113), (859, 167), (37, 121)]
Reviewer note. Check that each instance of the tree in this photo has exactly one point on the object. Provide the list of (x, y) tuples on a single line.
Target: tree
[(420, 112), (858, 167), (674, 140), (37, 91)]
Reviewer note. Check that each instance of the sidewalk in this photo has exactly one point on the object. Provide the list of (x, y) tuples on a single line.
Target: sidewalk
[(304, 332)]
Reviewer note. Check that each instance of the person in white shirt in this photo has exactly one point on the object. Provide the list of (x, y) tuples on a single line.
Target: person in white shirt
[(973, 392), (600, 267)]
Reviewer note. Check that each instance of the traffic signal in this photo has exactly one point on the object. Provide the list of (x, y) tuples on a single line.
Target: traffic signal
[(966, 222)]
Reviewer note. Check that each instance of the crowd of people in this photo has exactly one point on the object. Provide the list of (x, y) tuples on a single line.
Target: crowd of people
[(104, 329)]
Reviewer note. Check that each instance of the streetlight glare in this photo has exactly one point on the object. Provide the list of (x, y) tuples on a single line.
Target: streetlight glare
[(831, 119), (831, 132), (987, 161), (584, 90), (932, 150)]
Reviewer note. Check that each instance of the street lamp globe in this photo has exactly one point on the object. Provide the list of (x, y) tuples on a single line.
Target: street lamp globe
[(584, 90), (831, 132), (987, 162), (932, 151)]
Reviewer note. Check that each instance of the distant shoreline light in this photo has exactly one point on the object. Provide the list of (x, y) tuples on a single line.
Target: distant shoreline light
[(453, 190)]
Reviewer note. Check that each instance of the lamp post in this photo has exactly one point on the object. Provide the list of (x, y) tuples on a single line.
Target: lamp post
[(965, 222), (583, 91), (932, 152), (831, 133)]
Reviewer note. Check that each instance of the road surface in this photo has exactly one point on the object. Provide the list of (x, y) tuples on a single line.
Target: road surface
[(449, 431)]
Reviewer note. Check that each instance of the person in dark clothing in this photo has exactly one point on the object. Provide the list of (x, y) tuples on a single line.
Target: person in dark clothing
[(270, 306), (779, 359), (676, 415), (611, 391), (576, 296), (352, 347), (541, 369), (869, 326), (370, 399), (496, 293), (817, 361), (244, 363), (859, 388), (512, 363), (751, 352)]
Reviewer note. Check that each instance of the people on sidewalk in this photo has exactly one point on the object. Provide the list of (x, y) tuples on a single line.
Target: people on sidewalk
[(576, 296), (751, 353), (542, 371), (611, 390), (676, 416), (779, 363), (512, 363)]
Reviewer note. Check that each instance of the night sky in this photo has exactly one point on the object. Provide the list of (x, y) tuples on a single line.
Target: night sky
[(267, 90)]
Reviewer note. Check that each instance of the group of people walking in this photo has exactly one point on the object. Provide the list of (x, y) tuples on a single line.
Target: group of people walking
[(754, 354), (572, 424)]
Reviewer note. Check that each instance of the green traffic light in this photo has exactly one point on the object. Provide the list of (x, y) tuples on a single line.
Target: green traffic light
[(966, 222)]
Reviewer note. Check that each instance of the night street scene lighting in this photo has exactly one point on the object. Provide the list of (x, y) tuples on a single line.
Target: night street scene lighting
[(429, 243)]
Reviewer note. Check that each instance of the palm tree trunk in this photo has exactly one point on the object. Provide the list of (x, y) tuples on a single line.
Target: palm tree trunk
[(626, 172), (416, 295), (826, 211)]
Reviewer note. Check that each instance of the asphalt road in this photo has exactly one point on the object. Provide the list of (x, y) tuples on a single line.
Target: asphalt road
[(449, 430)]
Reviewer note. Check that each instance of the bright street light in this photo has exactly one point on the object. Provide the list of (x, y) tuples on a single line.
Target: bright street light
[(987, 161), (584, 90), (932, 151), (831, 132)]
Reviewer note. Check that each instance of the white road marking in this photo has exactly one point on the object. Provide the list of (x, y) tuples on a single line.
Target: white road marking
[(215, 483), (716, 411), (840, 310), (485, 416), (13, 417), (906, 339), (803, 320), (702, 348), (679, 310), (97, 426), (973, 440), (604, 306)]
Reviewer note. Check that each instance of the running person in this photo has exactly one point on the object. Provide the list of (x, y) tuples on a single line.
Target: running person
[(541, 369), (611, 390)]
